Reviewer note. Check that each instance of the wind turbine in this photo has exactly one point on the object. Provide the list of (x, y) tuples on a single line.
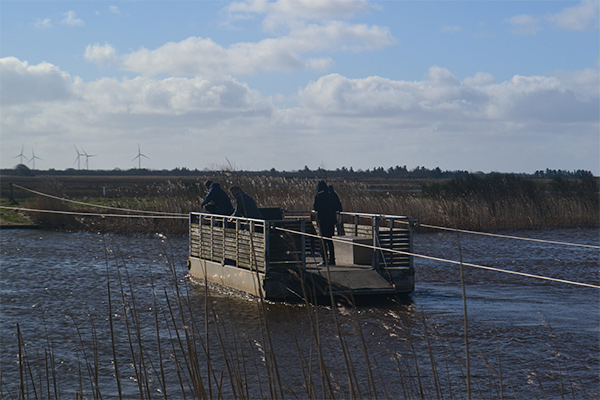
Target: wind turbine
[(139, 157), (21, 155), (77, 160), (33, 157), (87, 156)]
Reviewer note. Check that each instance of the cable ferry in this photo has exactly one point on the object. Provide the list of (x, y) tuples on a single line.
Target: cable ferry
[(278, 258)]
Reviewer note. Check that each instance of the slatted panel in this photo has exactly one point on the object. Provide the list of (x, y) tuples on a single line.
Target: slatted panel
[(194, 241), (211, 243), (216, 239), (247, 249), (395, 239), (358, 230)]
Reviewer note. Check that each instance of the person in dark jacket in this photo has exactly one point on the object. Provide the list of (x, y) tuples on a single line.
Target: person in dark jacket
[(216, 201), (245, 206), (326, 207)]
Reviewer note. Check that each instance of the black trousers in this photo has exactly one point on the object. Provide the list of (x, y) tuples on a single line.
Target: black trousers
[(328, 251)]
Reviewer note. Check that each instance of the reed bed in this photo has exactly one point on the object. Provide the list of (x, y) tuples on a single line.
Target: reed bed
[(512, 205), (172, 340)]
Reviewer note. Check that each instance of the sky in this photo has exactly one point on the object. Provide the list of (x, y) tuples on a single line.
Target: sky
[(475, 85)]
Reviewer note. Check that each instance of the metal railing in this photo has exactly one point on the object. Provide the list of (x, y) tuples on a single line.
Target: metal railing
[(393, 232), (247, 243), (383, 231)]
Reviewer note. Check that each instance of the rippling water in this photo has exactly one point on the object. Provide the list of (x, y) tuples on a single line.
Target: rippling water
[(527, 338)]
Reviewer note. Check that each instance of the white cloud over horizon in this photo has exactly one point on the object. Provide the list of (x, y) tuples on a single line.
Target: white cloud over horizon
[(288, 83), (380, 112)]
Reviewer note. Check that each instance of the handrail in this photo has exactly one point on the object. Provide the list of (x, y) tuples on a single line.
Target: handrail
[(360, 214), (375, 227), (369, 215), (228, 218), (245, 242)]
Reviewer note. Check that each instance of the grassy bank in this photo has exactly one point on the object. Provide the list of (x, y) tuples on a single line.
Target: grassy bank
[(492, 203)]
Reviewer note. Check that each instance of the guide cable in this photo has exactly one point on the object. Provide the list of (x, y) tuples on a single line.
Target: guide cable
[(95, 205), (89, 214), (445, 260)]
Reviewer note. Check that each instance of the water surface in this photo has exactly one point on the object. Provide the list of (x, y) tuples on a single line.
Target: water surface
[(527, 338)]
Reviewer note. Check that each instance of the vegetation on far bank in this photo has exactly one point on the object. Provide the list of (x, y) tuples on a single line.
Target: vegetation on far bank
[(479, 202), (397, 172)]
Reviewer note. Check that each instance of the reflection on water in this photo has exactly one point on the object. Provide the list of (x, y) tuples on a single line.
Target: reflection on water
[(528, 338)]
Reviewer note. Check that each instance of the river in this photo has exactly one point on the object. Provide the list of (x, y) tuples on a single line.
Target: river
[(162, 334)]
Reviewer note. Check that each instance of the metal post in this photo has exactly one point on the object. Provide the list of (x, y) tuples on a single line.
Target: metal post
[(267, 245), (212, 238), (12, 200), (303, 229), (375, 234), (237, 243)]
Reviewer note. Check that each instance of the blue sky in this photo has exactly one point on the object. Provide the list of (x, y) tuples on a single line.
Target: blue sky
[(509, 86)]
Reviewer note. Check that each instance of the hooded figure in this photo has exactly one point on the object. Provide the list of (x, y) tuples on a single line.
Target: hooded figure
[(216, 201), (326, 205), (245, 206)]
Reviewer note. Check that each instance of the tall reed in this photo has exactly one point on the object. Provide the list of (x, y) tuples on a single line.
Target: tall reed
[(478, 210)]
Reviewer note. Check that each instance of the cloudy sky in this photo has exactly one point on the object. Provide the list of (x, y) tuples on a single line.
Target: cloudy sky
[(509, 86)]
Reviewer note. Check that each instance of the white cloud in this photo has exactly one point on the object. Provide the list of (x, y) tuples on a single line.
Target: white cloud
[(288, 15), (303, 9), (303, 46), (172, 97), (192, 56), (583, 16), (21, 83), (114, 10), (196, 56), (101, 54), (43, 23), (72, 20), (442, 97), (524, 25), (480, 78), (585, 82), (469, 123), (541, 99)]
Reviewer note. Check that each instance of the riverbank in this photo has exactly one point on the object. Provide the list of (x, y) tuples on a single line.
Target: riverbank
[(499, 203)]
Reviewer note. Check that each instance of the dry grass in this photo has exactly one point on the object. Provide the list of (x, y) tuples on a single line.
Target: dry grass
[(184, 196)]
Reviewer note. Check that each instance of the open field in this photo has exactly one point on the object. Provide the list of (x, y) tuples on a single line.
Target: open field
[(505, 202)]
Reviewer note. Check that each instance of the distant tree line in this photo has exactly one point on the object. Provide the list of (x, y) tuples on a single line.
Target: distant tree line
[(397, 172), (559, 173)]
